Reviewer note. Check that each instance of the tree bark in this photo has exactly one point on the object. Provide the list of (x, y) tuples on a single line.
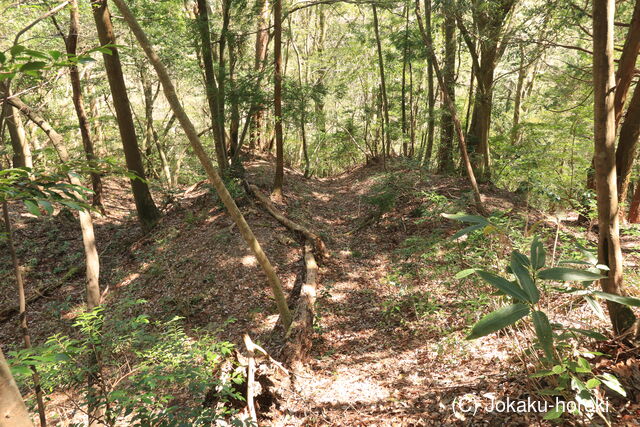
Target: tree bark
[(634, 210), (217, 122), (627, 144), (431, 101), (13, 413), (216, 181), (627, 64), (148, 213), (71, 44), (22, 306), (383, 88), (462, 144), (445, 151), (262, 41), (92, 260), (21, 150), (609, 251), (277, 98)]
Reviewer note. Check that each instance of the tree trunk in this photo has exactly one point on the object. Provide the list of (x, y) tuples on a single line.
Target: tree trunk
[(462, 144), (148, 213), (13, 413), (627, 64), (431, 102), (71, 43), (92, 260), (383, 88), (277, 98), (404, 83), (21, 150), (22, 304), (609, 251), (516, 134), (262, 40), (217, 122), (216, 181), (445, 151), (634, 210), (627, 144)]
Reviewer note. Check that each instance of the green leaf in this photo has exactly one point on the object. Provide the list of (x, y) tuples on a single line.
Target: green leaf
[(467, 231), (3, 58), (554, 414), (568, 274), (544, 333), (46, 206), (498, 319), (519, 267), (464, 273), (32, 66), (32, 207), (474, 219), (596, 308), (593, 383), (537, 254), (588, 333), (612, 382), (17, 50), (509, 288), (630, 301)]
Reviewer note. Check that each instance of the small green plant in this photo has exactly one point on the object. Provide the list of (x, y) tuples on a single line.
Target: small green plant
[(523, 293)]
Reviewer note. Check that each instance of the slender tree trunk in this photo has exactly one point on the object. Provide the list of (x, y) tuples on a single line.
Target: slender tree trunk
[(404, 83), (517, 102), (13, 413), (634, 210), (71, 43), (92, 260), (627, 65), (216, 181), (22, 304), (277, 98), (383, 86), (262, 40), (217, 122), (609, 251), (431, 102), (303, 115), (21, 150), (428, 42), (148, 213), (445, 151)]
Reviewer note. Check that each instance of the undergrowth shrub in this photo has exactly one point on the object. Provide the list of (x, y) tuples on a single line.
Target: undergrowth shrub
[(150, 372)]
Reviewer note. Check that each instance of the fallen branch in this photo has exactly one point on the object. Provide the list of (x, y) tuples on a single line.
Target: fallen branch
[(318, 244)]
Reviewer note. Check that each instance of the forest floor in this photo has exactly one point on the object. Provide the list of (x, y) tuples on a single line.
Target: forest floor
[(389, 346)]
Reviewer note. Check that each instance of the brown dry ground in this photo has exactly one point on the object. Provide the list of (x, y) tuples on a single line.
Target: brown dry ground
[(389, 347)]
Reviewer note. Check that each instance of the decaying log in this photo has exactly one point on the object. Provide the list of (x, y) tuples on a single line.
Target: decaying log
[(299, 336), (318, 244)]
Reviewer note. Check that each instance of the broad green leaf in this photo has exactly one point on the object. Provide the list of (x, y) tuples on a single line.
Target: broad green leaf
[(537, 254), (540, 374), (32, 66), (3, 58), (509, 288), (613, 383), (554, 414), (464, 273), (32, 207), (630, 301), (568, 274), (520, 269), (498, 319), (16, 50), (590, 257), (544, 332)]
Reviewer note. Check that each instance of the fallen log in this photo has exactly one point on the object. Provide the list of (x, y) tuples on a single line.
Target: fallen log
[(318, 244), (298, 339)]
